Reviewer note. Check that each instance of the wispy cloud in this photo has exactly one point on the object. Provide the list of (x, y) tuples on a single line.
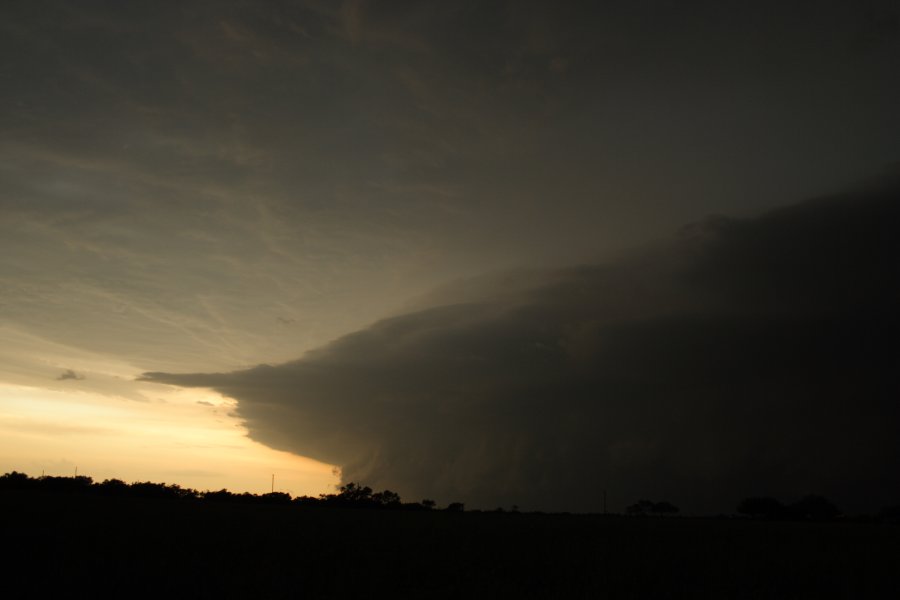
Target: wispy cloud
[(70, 374)]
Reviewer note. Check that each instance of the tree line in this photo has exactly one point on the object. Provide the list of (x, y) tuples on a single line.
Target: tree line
[(350, 495), (809, 508)]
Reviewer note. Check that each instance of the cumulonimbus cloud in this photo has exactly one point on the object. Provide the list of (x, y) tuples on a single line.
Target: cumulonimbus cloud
[(753, 356)]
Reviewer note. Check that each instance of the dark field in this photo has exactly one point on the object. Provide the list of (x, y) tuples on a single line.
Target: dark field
[(84, 545)]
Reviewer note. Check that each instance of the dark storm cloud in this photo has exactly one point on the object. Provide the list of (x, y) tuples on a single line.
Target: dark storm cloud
[(179, 181), (747, 356), (399, 111)]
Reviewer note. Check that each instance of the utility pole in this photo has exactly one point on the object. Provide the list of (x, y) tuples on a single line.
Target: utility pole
[(273, 483), (604, 502)]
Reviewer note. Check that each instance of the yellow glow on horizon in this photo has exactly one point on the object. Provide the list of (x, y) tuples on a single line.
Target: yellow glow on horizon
[(183, 436)]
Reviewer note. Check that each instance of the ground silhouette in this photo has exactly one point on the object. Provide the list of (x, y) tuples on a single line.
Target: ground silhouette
[(70, 534)]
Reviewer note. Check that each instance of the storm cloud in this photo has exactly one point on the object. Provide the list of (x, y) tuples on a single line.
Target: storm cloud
[(750, 356), (211, 185)]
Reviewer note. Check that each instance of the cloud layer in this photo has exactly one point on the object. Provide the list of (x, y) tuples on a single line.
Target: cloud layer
[(207, 186), (745, 356), (210, 185)]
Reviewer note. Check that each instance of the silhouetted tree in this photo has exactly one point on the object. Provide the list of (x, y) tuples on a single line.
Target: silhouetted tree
[(16, 481), (640, 508), (386, 498), (762, 507), (222, 495), (275, 498), (456, 507), (664, 508), (352, 493), (79, 483), (306, 501), (890, 513), (113, 487), (647, 507), (811, 507), (815, 508), (148, 489)]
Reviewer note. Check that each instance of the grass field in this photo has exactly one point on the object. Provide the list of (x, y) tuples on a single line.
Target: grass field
[(82, 545)]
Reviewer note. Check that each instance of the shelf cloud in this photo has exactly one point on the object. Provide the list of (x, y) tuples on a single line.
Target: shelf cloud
[(741, 356)]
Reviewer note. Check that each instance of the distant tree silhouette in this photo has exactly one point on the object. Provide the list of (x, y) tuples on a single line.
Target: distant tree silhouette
[(760, 507), (890, 513), (647, 507), (222, 495), (148, 489), (640, 508), (387, 498), (810, 507), (664, 508), (354, 495), (113, 487), (79, 483), (350, 495), (16, 481), (306, 501), (815, 508), (275, 498)]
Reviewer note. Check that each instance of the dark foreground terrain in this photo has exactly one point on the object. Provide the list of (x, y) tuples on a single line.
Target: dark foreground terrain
[(86, 545)]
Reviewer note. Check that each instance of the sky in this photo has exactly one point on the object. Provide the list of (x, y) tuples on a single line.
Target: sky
[(492, 252)]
